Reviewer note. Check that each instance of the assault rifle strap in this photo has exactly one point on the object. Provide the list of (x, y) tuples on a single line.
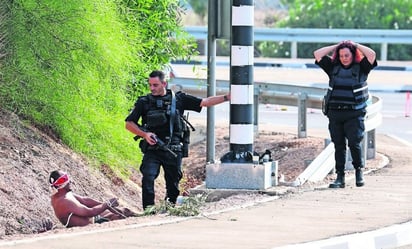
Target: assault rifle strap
[(186, 120), (172, 115)]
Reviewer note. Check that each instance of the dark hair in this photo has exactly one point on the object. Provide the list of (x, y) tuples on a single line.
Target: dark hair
[(158, 73), (356, 54), (54, 175)]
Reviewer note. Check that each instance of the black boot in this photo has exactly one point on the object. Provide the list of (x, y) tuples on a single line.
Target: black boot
[(359, 178), (339, 182)]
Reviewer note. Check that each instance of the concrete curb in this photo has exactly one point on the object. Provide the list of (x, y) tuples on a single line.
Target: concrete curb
[(387, 237)]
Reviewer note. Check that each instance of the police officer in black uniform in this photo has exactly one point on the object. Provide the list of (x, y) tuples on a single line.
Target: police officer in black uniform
[(157, 119), (347, 96)]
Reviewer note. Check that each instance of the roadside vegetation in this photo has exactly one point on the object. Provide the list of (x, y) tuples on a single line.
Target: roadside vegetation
[(74, 68), (348, 14)]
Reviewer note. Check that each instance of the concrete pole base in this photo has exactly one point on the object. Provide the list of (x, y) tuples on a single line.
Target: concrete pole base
[(239, 176)]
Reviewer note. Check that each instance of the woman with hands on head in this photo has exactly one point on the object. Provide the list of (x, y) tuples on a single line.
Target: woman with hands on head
[(347, 67)]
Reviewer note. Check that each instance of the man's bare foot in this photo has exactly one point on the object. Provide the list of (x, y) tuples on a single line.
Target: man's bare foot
[(46, 225)]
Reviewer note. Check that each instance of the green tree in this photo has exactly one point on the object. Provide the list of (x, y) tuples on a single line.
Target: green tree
[(199, 7), (348, 14), (159, 36)]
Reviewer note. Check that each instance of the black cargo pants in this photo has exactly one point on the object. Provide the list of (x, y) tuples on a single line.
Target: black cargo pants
[(347, 125)]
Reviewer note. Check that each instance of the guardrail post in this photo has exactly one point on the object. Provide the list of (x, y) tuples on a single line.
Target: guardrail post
[(302, 109), (384, 51), (294, 50), (370, 145)]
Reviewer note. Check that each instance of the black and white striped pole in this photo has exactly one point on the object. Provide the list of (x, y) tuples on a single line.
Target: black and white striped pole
[(241, 83), (237, 169)]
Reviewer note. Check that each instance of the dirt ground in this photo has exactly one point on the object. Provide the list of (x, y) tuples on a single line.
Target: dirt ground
[(28, 155), (292, 153)]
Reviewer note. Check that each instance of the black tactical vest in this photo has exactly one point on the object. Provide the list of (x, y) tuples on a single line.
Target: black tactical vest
[(348, 86), (156, 118)]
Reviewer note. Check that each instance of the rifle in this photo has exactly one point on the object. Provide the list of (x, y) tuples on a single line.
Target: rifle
[(160, 144)]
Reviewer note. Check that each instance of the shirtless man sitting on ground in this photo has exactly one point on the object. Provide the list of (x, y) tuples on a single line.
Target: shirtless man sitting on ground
[(75, 210)]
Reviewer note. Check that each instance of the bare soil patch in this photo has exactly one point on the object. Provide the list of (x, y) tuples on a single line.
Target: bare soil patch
[(292, 153)]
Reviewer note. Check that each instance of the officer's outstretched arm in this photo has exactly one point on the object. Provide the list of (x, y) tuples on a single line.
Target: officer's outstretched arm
[(214, 100)]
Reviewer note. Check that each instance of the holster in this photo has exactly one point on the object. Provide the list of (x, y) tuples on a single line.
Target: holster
[(143, 145), (186, 142), (325, 105)]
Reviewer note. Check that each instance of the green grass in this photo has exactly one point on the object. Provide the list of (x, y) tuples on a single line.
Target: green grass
[(76, 67)]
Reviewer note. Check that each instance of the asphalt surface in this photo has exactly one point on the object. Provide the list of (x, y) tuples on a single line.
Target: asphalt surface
[(378, 215)]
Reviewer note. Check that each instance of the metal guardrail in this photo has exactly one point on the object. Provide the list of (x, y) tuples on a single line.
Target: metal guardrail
[(302, 97), (302, 35), (269, 93), (282, 94), (319, 35)]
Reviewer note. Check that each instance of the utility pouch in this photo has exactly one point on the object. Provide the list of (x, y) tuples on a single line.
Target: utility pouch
[(143, 145), (186, 142), (186, 135), (156, 118), (325, 105)]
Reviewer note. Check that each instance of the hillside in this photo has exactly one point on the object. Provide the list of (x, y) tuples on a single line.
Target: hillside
[(27, 157)]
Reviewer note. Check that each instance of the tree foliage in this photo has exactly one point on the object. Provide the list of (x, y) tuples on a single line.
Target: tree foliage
[(75, 67), (348, 14), (199, 7), (159, 37)]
